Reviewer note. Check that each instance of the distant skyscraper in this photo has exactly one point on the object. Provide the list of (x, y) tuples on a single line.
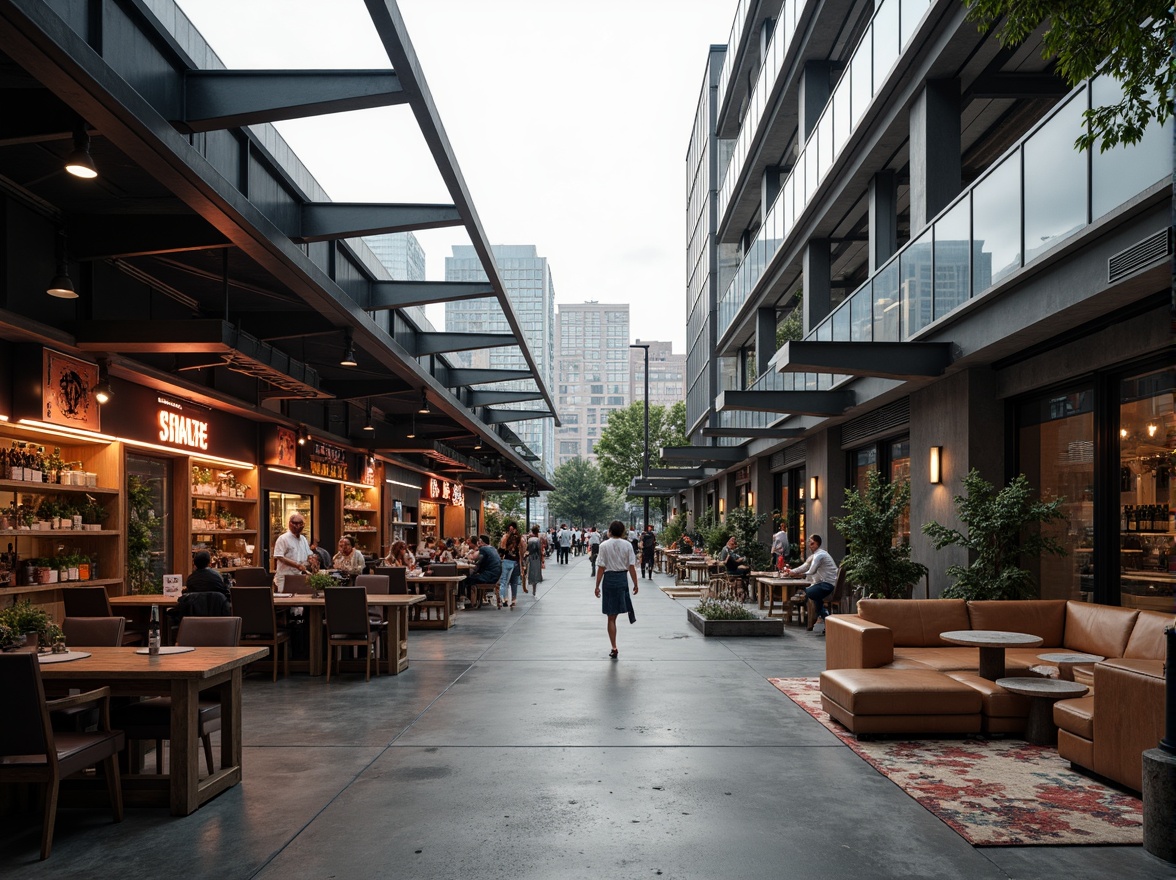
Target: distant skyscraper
[(592, 358), (667, 374), (401, 254), (532, 293)]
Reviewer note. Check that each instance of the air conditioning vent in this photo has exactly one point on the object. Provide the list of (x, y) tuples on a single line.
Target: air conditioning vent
[(876, 424), (1140, 255)]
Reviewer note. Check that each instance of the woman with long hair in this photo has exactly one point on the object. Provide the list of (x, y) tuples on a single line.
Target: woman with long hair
[(615, 561), (509, 552), (399, 555), (534, 561)]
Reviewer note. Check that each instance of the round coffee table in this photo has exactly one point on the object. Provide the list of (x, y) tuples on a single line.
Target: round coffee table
[(992, 644), (1043, 693), (1065, 661)]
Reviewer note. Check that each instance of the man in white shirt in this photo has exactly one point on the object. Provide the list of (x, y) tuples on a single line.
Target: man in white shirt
[(564, 542), (822, 570), (780, 547), (291, 551)]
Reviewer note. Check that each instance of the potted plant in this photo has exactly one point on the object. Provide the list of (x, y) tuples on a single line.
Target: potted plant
[(744, 524), (873, 562), (319, 581), (26, 619), (1002, 527)]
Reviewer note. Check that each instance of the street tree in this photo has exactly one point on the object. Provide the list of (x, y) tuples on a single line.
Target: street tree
[(581, 495), (1129, 40), (621, 446), (510, 504)]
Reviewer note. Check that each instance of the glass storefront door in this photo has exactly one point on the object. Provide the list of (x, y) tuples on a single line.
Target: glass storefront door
[(149, 551)]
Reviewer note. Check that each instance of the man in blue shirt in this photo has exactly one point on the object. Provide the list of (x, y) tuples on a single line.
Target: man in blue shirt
[(487, 567)]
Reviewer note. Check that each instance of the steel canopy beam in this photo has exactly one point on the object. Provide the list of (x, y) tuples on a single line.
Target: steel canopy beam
[(219, 99), (808, 403), (101, 236), (327, 221), (886, 360), (498, 416), (493, 398), (459, 376), (355, 389), (721, 454), (443, 343), (754, 433), (384, 295)]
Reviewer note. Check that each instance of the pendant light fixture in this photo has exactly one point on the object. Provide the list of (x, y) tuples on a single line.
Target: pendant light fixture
[(424, 410), (348, 359), (368, 426), (103, 392), (61, 285), (79, 162)]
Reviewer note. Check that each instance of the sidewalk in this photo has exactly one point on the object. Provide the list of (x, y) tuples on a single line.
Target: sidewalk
[(513, 747)]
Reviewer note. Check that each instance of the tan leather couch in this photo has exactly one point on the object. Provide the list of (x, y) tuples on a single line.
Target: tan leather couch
[(898, 637)]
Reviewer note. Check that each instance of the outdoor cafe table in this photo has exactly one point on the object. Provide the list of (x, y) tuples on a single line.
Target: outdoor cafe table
[(446, 582), (183, 677), (699, 567), (992, 644), (771, 582)]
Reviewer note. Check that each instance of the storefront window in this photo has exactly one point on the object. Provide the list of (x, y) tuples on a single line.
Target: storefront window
[(900, 471), (149, 533), (1147, 456), (862, 462), (1056, 455), (282, 506)]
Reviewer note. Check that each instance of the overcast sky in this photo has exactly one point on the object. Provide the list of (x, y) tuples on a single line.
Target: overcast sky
[(570, 122)]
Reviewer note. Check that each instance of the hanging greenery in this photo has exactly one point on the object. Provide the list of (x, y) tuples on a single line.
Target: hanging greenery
[(142, 535)]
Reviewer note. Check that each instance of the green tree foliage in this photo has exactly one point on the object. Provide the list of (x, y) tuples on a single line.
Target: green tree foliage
[(581, 495), (709, 533), (510, 504), (621, 446), (874, 562), (495, 524), (791, 326), (744, 523), (1129, 40), (1001, 529), (673, 531)]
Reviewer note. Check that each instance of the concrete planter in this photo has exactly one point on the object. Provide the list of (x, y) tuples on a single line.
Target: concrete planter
[(761, 626)]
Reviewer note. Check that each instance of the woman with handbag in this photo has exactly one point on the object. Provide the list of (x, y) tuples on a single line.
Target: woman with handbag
[(535, 562), (616, 561)]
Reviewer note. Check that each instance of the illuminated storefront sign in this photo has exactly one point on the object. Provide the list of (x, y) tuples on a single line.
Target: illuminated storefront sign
[(328, 461), (180, 430), (445, 492)]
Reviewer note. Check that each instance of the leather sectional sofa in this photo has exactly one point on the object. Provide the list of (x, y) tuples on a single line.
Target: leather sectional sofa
[(887, 671)]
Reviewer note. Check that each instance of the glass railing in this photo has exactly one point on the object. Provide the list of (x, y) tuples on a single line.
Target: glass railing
[(888, 35), (732, 46), (1038, 195), (774, 55)]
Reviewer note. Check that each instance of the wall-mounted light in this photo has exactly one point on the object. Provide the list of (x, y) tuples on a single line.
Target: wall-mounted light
[(78, 162), (303, 435), (936, 464), (814, 484), (722, 506), (103, 391), (424, 409), (1123, 433), (1151, 429), (348, 359), (750, 499)]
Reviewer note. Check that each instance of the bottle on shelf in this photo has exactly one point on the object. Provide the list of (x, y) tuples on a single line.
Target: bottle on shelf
[(153, 632)]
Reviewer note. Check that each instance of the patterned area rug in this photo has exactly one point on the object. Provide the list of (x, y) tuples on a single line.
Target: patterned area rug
[(992, 792)]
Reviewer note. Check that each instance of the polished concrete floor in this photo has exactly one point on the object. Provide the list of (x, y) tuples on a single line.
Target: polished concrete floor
[(513, 747)]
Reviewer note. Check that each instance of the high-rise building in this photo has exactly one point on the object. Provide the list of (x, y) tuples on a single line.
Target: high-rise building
[(529, 285), (592, 372), (400, 253), (667, 374)]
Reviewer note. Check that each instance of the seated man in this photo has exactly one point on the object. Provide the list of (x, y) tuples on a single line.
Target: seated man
[(487, 569), (205, 593), (735, 562)]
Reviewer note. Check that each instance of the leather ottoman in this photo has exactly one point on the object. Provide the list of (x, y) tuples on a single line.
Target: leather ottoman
[(900, 701)]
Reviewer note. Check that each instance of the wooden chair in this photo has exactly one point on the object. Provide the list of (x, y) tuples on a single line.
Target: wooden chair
[(296, 584), (259, 622), (93, 632), (31, 752), (151, 719), (252, 576), (444, 569), (93, 602), (348, 624)]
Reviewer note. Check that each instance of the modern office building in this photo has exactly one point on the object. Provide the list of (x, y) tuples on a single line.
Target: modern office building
[(592, 357), (400, 253), (667, 374), (976, 292)]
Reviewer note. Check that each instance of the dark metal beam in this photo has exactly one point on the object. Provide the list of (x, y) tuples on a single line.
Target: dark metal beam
[(498, 416), (355, 389), (99, 237), (328, 221), (406, 294), (459, 376), (808, 403), (1017, 85), (754, 433), (493, 398), (887, 360), (219, 99), (722, 454), (443, 343)]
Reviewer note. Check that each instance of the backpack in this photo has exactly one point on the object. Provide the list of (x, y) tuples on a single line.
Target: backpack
[(648, 541)]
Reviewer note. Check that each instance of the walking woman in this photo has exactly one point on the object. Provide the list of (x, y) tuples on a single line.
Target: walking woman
[(535, 563), (615, 560), (510, 562)]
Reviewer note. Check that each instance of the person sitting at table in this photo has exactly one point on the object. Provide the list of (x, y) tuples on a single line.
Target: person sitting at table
[(685, 546), (205, 592), (426, 550), (735, 562), (446, 552), (348, 560), (822, 570), (487, 569), (400, 556), (320, 556)]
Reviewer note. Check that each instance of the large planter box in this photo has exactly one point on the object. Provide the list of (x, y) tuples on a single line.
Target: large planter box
[(761, 626)]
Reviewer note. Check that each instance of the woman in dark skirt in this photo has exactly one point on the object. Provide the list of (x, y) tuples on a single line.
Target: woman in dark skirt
[(615, 563)]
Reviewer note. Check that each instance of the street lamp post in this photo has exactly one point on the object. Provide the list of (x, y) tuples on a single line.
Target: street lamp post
[(645, 458)]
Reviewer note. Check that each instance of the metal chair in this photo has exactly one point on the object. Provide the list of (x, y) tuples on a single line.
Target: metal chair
[(31, 752), (348, 624), (259, 622), (151, 719)]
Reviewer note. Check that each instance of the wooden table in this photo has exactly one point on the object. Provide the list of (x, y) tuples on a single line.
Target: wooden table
[(447, 583), (992, 644), (183, 677), (772, 582), (395, 612), (1067, 660), (1043, 693), (699, 567)]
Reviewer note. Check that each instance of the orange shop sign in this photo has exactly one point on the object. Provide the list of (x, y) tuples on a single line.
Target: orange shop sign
[(181, 430), (445, 492)]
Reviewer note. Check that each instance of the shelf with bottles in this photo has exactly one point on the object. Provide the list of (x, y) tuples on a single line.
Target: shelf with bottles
[(224, 515), (222, 483)]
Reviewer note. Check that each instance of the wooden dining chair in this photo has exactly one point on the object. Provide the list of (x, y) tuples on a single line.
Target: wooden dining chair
[(348, 624), (296, 584), (93, 632), (444, 569), (259, 622), (151, 719), (31, 752), (252, 576), (93, 602)]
